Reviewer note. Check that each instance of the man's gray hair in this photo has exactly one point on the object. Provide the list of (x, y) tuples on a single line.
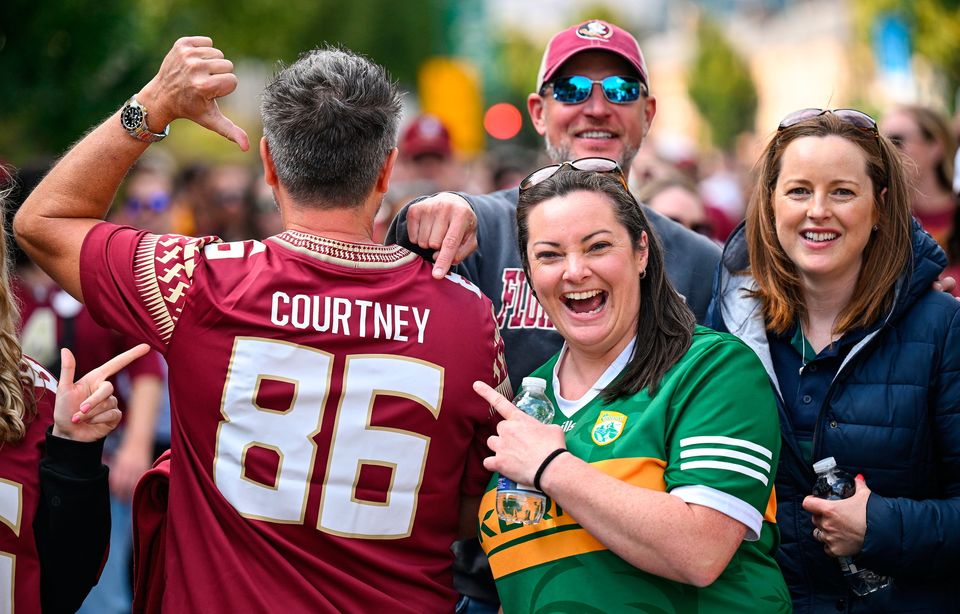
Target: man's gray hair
[(330, 119)]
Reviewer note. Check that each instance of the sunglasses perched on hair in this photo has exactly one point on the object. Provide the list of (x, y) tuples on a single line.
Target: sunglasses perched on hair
[(593, 165), (577, 88), (855, 118)]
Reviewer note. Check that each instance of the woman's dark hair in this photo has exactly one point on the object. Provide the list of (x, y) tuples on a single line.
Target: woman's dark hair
[(665, 323)]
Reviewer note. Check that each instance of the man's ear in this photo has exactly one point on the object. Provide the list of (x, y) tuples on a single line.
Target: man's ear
[(649, 111), (536, 107), (269, 168), (383, 180)]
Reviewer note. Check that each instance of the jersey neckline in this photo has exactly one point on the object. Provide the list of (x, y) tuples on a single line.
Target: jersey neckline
[(352, 255)]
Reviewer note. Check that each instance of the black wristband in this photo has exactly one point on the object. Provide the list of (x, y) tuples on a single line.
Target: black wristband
[(543, 466)]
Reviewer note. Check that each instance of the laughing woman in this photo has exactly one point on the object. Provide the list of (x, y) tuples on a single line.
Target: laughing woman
[(830, 282), (660, 475)]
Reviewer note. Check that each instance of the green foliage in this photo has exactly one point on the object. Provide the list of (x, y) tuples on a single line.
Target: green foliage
[(596, 11), (64, 70), (721, 87), (935, 33), (398, 34), (938, 38), (68, 64), (517, 59)]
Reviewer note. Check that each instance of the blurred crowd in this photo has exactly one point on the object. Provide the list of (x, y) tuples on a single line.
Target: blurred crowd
[(705, 191)]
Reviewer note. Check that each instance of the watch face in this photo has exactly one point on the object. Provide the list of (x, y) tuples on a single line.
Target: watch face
[(131, 117)]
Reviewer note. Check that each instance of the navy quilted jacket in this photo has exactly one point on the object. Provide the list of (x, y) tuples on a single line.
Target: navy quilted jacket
[(892, 414)]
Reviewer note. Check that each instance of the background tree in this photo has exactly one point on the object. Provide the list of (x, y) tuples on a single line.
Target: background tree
[(61, 67), (934, 34), (721, 86), (69, 64)]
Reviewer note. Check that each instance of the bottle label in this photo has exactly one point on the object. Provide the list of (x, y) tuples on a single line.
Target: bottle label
[(504, 483)]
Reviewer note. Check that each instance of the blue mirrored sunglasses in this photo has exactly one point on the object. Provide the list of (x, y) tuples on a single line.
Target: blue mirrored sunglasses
[(575, 89)]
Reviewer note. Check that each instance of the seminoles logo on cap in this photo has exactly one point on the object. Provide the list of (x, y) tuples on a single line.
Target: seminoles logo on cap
[(595, 30)]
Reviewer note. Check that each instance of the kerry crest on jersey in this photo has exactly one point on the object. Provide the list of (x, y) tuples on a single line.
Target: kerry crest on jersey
[(608, 427)]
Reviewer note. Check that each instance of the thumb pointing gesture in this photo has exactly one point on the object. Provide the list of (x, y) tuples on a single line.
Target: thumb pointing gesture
[(191, 78), (216, 121)]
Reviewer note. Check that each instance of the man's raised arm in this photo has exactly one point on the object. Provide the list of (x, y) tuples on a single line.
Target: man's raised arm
[(53, 222)]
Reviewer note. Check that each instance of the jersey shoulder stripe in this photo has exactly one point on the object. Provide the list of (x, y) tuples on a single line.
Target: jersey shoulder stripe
[(163, 272)]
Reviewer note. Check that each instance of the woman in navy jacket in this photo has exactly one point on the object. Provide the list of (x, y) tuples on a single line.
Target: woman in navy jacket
[(829, 281)]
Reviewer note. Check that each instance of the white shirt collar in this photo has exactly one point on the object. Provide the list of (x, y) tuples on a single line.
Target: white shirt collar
[(568, 407)]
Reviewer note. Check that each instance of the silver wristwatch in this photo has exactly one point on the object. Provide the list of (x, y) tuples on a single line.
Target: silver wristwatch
[(133, 118)]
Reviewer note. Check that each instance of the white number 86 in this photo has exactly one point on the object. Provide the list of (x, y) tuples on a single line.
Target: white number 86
[(290, 432)]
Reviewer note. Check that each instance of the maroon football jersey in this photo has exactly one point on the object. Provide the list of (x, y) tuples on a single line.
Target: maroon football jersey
[(324, 423), (19, 497)]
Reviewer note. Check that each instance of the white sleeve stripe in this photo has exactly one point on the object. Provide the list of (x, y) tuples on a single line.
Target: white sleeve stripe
[(730, 441), (723, 502), (753, 460), (725, 466)]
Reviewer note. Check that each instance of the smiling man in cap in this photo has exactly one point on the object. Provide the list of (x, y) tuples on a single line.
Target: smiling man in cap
[(592, 99)]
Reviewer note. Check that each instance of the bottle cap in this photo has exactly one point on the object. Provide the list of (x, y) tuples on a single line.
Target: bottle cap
[(534, 383), (825, 464)]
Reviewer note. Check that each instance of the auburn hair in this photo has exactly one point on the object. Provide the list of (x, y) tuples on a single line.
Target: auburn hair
[(886, 256)]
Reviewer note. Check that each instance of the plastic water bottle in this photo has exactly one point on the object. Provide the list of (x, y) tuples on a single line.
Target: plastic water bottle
[(832, 484), (520, 503)]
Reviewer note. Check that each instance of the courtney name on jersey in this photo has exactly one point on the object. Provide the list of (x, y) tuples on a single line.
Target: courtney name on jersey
[(327, 462), (350, 317), (519, 308)]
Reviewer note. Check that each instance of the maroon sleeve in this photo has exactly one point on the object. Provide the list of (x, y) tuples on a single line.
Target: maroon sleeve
[(149, 536), (137, 282)]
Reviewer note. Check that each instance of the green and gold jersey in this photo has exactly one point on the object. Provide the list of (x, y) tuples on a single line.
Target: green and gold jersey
[(711, 436)]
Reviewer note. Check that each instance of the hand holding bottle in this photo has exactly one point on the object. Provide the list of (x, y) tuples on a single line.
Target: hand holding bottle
[(521, 443), (839, 509), (520, 438), (841, 525)]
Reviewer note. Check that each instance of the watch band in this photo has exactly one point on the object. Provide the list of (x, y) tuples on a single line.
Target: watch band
[(133, 118)]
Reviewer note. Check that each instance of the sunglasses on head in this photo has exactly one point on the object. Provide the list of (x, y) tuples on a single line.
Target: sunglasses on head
[(593, 165), (853, 117), (577, 88)]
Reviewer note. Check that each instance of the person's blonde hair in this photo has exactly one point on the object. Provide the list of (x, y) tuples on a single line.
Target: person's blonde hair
[(885, 257), (17, 408)]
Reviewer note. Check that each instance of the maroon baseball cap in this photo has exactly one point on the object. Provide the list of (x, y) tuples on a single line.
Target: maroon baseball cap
[(425, 135), (593, 35)]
